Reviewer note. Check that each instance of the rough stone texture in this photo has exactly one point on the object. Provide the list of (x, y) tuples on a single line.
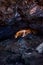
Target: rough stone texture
[(21, 51), (32, 13), (14, 16)]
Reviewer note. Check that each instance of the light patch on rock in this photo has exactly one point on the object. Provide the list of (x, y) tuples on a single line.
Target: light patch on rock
[(40, 48), (33, 10)]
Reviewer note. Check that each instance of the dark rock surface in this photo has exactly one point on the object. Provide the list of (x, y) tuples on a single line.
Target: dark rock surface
[(21, 51), (18, 15), (32, 13)]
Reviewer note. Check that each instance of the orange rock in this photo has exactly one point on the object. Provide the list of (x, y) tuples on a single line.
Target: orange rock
[(23, 33)]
